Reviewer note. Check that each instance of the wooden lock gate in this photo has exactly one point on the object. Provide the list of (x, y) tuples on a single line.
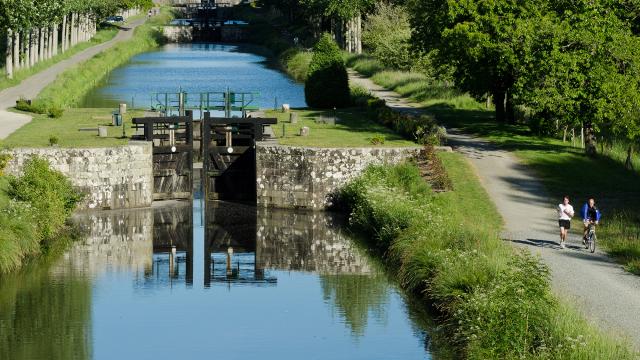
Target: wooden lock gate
[(172, 139), (229, 156)]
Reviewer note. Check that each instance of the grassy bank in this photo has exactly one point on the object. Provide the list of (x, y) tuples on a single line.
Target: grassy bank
[(105, 34), (353, 128), (78, 127), (69, 88), (34, 209), (494, 303)]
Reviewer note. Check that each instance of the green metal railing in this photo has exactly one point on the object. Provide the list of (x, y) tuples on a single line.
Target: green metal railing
[(228, 102)]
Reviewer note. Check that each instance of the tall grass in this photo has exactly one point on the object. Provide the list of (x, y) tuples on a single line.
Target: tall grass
[(295, 62), (620, 236), (364, 64), (69, 88), (495, 303), (33, 209)]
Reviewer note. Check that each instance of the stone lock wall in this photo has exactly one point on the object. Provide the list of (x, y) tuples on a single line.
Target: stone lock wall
[(113, 178), (308, 178)]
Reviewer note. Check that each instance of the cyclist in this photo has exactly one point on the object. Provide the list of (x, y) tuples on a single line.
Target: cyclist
[(590, 215), (565, 213)]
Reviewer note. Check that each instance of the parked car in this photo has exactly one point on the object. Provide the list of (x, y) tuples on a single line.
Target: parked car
[(115, 19)]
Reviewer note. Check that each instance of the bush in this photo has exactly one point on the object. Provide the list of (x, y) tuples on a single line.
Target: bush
[(327, 83), (55, 112), (48, 192), (377, 140), (296, 63), (53, 140), (4, 161)]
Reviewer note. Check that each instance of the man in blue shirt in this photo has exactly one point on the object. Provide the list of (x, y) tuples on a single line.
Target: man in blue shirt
[(590, 215)]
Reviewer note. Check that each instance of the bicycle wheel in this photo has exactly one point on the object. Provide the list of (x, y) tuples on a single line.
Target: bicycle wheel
[(592, 242)]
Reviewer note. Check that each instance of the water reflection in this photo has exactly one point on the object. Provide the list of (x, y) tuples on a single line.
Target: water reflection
[(44, 317), (231, 279)]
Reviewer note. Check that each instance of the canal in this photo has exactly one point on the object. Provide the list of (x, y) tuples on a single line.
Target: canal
[(192, 279), (195, 68)]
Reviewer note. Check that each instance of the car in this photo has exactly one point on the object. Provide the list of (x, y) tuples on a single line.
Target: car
[(115, 19)]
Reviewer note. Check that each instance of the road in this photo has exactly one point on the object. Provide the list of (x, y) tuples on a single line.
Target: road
[(32, 86)]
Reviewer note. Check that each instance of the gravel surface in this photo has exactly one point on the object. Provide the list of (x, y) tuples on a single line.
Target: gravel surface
[(606, 294), (31, 87)]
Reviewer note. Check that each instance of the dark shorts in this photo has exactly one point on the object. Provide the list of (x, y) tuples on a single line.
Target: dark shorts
[(565, 224)]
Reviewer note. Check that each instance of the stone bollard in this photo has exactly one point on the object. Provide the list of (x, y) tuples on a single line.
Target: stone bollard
[(293, 118), (102, 131), (122, 109), (286, 107), (304, 131)]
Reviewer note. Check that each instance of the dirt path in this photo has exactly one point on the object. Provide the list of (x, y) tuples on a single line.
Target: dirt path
[(607, 295), (31, 87)]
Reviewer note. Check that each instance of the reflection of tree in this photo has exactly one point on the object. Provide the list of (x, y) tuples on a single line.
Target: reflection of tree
[(44, 318), (355, 297)]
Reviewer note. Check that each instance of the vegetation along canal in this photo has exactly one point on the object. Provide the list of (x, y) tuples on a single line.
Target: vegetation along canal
[(193, 278)]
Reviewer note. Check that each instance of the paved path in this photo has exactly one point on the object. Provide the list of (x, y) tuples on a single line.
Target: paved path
[(31, 87), (607, 295)]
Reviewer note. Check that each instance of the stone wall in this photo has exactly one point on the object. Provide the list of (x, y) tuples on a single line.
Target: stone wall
[(308, 178), (113, 178), (178, 34)]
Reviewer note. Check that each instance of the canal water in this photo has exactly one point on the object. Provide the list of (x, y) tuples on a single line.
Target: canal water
[(192, 280), (195, 68), (222, 280)]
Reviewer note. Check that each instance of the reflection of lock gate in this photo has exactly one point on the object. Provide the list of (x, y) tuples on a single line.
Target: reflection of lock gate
[(228, 152)]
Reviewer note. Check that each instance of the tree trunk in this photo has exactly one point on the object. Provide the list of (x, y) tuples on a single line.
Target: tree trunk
[(64, 34), (590, 140), (9, 55), (499, 99), (359, 34), (41, 45), (24, 58), (55, 39), (72, 30), (628, 163), (16, 51), (50, 42), (564, 134)]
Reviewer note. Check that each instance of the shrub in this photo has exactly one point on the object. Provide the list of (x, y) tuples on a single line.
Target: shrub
[(296, 63), (32, 107), (53, 140), (55, 112), (377, 140), (327, 83), (48, 191), (4, 161)]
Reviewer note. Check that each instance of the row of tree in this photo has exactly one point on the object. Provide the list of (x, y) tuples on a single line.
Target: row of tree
[(568, 63), (37, 30)]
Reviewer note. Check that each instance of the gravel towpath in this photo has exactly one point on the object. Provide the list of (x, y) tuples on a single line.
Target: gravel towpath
[(31, 87), (600, 288)]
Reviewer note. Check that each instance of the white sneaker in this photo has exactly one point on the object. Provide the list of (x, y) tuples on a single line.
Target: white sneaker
[(562, 245)]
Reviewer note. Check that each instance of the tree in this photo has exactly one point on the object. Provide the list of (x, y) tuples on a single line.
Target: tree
[(585, 71), (327, 84), (483, 40)]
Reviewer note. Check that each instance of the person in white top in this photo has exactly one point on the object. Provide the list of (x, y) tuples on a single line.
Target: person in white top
[(565, 213)]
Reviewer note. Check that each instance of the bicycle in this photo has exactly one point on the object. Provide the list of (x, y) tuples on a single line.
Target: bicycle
[(590, 242)]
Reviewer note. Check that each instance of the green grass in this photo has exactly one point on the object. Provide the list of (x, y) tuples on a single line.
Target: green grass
[(353, 129), (33, 210), (494, 302), (66, 128), (105, 34), (363, 63), (68, 89)]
